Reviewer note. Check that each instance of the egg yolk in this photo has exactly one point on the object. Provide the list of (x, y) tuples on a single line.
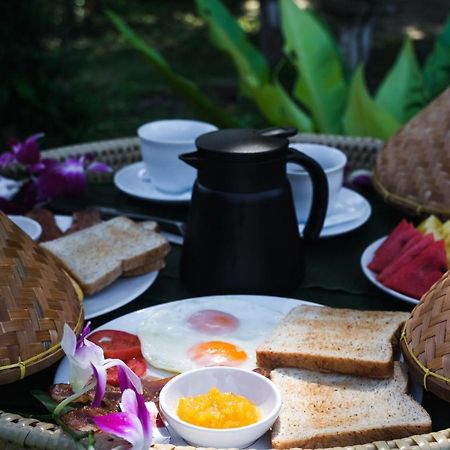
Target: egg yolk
[(211, 321), (217, 353), (218, 410)]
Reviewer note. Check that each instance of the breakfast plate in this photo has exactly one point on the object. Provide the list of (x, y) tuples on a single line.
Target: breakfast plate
[(351, 211), (119, 293), (262, 310), (134, 181), (265, 310), (366, 257)]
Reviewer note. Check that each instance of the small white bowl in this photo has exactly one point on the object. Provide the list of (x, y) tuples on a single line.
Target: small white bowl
[(29, 226), (255, 387)]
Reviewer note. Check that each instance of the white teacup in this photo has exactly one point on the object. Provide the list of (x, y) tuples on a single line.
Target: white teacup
[(332, 162), (161, 143)]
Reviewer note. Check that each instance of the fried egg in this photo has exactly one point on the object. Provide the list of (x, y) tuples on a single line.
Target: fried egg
[(196, 333)]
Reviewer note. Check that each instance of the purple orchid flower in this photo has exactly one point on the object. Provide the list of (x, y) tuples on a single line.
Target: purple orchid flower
[(28, 152), (86, 359), (133, 423)]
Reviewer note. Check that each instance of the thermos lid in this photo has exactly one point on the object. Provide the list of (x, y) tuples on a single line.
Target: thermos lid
[(241, 144)]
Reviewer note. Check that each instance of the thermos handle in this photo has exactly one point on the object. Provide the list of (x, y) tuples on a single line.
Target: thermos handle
[(319, 203)]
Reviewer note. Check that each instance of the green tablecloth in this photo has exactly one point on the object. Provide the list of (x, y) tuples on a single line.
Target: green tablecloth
[(333, 277)]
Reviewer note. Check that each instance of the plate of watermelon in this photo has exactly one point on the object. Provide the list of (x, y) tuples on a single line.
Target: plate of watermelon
[(406, 263)]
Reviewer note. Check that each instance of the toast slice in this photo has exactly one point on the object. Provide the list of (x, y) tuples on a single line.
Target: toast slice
[(98, 255), (333, 410), (334, 340)]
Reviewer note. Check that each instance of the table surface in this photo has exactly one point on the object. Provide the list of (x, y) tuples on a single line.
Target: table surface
[(333, 277)]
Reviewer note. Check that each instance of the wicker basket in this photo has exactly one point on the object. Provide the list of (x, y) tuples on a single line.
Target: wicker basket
[(426, 341), (117, 153), (413, 169), (37, 299)]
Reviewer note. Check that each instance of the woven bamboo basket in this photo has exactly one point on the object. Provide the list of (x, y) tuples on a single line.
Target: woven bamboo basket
[(37, 298), (425, 339), (413, 169)]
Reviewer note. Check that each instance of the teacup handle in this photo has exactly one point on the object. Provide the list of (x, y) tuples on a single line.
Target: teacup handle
[(319, 203)]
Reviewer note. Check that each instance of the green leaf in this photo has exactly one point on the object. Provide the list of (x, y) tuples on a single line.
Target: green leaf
[(321, 84), (402, 92), (229, 37), (363, 117), (47, 401), (182, 87), (436, 71), (255, 80)]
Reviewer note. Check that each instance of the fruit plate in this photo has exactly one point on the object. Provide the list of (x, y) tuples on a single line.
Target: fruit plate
[(366, 257)]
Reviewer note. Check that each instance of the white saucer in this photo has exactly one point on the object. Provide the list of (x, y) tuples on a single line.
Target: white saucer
[(133, 181), (351, 211)]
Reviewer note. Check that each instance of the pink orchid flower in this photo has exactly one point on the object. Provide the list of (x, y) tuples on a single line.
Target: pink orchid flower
[(133, 423), (87, 360)]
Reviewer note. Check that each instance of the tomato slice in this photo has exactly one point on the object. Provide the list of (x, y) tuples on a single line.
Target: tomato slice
[(137, 365), (117, 344)]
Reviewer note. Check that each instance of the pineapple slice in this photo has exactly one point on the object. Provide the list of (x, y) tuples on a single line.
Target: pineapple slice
[(432, 225)]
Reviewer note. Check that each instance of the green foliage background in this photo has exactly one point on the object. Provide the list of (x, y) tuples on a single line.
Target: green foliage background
[(65, 70)]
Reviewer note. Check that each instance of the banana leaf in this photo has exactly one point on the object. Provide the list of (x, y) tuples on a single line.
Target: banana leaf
[(254, 73), (180, 86), (402, 92), (321, 84), (436, 71), (363, 117)]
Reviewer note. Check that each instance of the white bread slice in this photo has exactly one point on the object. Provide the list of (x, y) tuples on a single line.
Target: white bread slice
[(322, 410), (98, 255), (334, 340)]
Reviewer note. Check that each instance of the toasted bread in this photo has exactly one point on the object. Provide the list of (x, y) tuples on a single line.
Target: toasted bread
[(334, 340), (98, 255), (332, 410)]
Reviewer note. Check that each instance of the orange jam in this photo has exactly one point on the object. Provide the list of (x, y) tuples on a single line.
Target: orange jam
[(218, 410)]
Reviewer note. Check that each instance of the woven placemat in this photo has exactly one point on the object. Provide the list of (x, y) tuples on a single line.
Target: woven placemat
[(17, 433), (413, 169), (117, 153)]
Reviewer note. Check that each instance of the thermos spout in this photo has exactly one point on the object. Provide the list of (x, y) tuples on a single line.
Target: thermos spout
[(192, 158)]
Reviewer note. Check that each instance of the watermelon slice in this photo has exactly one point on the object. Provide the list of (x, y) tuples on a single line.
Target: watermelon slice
[(416, 277), (393, 245), (410, 251)]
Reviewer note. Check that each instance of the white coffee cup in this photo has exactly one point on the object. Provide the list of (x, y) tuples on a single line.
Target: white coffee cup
[(332, 161), (161, 143)]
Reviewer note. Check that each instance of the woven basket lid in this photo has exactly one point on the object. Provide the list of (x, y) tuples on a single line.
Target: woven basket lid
[(425, 339), (413, 169), (37, 298)]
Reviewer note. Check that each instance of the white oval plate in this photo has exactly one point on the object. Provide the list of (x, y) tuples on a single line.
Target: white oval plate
[(130, 322), (366, 257), (132, 180), (119, 293), (28, 225)]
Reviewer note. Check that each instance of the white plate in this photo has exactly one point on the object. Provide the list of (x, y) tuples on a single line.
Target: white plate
[(366, 257), (119, 293), (130, 322), (133, 180), (352, 210), (27, 225)]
